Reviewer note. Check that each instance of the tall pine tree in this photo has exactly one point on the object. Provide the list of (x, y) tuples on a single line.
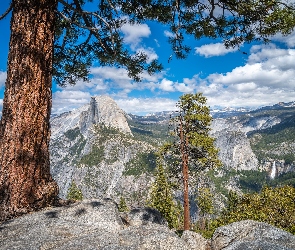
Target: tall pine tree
[(62, 39), (193, 150)]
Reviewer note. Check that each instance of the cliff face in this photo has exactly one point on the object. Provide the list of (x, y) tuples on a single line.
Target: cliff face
[(234, 147), (91, 146), (100, 110)]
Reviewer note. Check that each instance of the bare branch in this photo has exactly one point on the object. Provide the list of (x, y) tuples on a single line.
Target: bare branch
[(112, 6), (7, 11)]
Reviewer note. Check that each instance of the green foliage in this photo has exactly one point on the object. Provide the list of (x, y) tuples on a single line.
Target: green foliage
[(275, 206), (283, 180), (122, 206), (153, 133), (220, 179), (161, 198), (205, 205), (205, 201), (142, 163), (83, 37), (94, 157), (72, 134), (194, 121), (105, 135), (74, 193), (252, 181)]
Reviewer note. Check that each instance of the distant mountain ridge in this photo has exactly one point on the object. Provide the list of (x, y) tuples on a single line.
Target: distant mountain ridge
[(109, 153)]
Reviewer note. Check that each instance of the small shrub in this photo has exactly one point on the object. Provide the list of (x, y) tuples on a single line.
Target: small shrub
[(122, 205), (74, 193)]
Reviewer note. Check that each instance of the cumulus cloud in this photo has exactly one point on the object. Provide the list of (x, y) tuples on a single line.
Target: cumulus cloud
[(117, 78), (146, 105), (267, 78), (213, 49), (133, 34), (168, 33), (151, 54), (289, 40), (66, 100), (166, 85), (3, 76)]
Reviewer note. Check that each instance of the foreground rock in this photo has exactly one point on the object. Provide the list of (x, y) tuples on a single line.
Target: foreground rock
[(252, 235), (97, 224), (94, 224)]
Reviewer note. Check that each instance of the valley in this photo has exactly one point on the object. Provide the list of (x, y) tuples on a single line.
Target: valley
[(108, 153)]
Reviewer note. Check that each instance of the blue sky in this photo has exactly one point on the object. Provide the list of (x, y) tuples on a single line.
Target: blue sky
[(228, 78)]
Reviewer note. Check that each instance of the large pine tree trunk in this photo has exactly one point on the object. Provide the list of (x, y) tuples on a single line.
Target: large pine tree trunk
[(25, 181)]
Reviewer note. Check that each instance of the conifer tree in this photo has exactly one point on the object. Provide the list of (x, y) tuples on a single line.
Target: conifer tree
[(161, 198), (193, 151), (205, 205), (62, 39), (74, 193), (122, 207)]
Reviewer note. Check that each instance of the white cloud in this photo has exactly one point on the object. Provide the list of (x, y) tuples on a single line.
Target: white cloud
[(3, 76), (267, 78), (166, 85), (65, 100), (182, 87), (213, 49), (146, 105), (168, 33), (157, 43), (110, 73), (106, 78), (133, 34), (151, 54), (289, 40)]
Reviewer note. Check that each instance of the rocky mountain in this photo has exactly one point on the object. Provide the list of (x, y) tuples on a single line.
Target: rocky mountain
[(94, 148), (108, 153)]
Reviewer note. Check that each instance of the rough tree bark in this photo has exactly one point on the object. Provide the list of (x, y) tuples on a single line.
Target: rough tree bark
[(25, 181)]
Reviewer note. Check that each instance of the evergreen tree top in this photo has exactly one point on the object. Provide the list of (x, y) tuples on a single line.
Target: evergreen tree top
[(89, 31)]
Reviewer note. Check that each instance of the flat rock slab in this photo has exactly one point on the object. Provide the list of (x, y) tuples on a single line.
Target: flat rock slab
[(94, 224)]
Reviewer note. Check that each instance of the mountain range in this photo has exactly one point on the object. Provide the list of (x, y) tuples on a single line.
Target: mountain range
[(108, 153)]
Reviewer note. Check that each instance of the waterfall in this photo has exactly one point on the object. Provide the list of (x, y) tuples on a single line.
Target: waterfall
[(273, 170)]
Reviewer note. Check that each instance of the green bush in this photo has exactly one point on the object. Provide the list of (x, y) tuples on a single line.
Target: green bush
[(275, 206), (74, 193), (122, 206), (142, 163)]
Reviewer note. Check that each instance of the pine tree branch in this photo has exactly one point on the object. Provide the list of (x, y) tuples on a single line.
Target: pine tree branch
[(7, 11)]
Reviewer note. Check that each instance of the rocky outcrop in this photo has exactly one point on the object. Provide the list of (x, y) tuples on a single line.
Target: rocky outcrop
[(104, 110), (252, 235), (97, 224), (92, 224), (100, 110)]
